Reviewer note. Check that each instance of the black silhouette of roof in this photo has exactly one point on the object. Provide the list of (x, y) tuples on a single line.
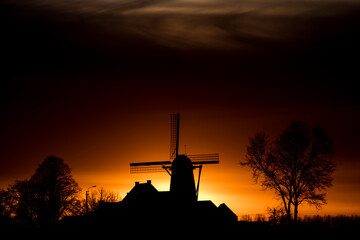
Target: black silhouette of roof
[(145, 200), (226, 214), (145, 210), (141, 192)]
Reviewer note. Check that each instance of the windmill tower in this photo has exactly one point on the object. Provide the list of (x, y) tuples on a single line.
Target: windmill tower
[(180, 167)]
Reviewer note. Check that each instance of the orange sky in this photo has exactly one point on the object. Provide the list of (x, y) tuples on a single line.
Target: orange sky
[(101, 157), (94, 83), (227, 182), (99, 149)]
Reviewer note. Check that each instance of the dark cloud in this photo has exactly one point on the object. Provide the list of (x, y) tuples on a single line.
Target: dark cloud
[(287, 47), (311, 44), (71, 35)]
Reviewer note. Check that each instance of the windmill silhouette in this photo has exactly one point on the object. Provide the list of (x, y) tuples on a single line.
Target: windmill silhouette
[(145, 208), (180, 167)]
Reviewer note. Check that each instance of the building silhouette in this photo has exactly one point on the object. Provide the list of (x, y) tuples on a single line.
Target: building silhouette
[(176, 210)]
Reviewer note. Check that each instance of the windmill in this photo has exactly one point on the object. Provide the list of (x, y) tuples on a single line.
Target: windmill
[(180, 167)]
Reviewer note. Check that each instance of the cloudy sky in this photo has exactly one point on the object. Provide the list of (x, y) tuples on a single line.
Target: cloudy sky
[(94, 82)]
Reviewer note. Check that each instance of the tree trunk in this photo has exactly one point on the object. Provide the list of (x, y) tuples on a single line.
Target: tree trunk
[(296, 204), (288, 213)]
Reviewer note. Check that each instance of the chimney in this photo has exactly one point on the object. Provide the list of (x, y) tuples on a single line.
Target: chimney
[(148, 181), (136, 183)]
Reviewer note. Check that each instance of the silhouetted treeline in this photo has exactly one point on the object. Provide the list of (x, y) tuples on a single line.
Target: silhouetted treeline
[(47, 197), (51, 194), (334, 221), (44, 199)]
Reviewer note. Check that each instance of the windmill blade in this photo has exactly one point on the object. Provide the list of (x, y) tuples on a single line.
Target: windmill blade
[(212, 158), (144, 167), (149, 163), (174, 136)]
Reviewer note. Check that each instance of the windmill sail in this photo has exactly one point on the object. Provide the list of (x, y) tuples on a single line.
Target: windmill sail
[(212, 158), (144, 167), (174, 137)]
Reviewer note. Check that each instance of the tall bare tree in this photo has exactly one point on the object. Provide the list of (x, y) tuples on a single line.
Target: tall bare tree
[(297, 166)]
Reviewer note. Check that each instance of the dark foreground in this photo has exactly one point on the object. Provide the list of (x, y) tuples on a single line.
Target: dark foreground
[(254, 230)]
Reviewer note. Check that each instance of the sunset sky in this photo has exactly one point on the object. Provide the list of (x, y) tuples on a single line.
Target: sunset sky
[(95, 81)]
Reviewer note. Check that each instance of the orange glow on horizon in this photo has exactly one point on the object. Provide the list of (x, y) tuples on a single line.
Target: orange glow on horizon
[(226, 182), (102, 158), (240, 194)]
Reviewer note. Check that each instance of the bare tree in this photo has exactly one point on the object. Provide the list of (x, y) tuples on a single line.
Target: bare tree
[(246, 218), (17, 203), (98, 197), (259, 217), (276, 214), (297, 166), (5, 207), (108, 196)]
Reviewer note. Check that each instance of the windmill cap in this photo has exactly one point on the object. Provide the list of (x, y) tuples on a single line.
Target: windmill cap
[(181, 161)]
